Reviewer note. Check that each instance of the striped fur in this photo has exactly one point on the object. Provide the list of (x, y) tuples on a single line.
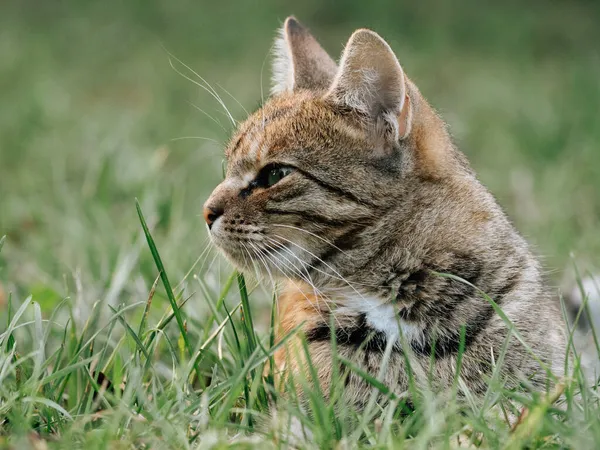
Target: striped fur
[(378, 203)]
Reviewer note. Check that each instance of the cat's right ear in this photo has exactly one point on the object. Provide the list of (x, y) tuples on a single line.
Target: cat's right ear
[(299, 61), (371, 81)]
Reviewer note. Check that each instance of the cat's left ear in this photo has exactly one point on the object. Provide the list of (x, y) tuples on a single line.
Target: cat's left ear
[(299, 61), (371, 81)]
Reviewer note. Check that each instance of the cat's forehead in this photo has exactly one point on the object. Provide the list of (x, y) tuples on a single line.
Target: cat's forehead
[(284, 125), (274, 126)]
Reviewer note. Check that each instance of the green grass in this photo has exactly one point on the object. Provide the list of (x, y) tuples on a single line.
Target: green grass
[(93, 116), (112, 384)]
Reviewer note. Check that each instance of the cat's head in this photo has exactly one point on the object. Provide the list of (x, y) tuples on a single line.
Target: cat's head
[(320, 170)]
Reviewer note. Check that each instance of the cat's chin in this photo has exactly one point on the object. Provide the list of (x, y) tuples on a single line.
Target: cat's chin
[(242, 262), (236, 258), (263, 268)]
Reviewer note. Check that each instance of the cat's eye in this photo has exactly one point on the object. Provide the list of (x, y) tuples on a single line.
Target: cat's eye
[(277, 173), (272, 174)]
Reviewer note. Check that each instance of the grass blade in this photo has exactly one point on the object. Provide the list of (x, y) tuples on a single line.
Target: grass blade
[(13, 322), (167, 285), (11, 339), (130, 331), (370, 379), (144, 319), (49, 403), (39, 338), (162, 324), (247, 322), (214, 334), (511, 326)]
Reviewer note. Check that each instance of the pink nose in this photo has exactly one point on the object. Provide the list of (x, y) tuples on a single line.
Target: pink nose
[(211, 214)]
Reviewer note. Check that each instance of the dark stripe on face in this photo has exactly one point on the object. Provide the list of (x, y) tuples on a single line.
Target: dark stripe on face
[(348, 240), (310, 217), (359, 335), (279, 113), (336, 190), (286, 194), (238, 141)]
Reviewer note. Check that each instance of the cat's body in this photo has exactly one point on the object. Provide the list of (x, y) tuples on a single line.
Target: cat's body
[(347, 184)]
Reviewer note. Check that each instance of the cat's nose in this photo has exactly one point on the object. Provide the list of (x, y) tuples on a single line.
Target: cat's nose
[(211, 213)]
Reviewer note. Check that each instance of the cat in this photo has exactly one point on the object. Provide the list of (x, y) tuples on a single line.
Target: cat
[(346, 185)]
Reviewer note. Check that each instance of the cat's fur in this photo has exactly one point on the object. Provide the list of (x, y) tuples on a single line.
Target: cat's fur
[(378, 204)]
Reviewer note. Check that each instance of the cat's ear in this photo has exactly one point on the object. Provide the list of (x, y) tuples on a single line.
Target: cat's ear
[(371, 81), (299, 61)]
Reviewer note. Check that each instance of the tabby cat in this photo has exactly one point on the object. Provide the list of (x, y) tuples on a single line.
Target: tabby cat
[(346, 185)]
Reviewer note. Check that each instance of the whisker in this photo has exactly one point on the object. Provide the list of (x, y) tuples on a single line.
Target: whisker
[(208, 88), (312, 234), (264, 263), (299, 289), (252, 254), (283, 247), (196, 137), (304, 277), (245, 252), (207, 249), (341, 278), (256, 265), (258, 275), (209, 268), (234, 99), (321, 294), (214, 119)]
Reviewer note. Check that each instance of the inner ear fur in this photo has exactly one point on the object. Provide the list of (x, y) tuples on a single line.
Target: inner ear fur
[(299, 61)]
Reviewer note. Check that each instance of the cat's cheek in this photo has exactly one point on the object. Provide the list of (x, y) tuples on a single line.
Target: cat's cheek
[(221, 239)]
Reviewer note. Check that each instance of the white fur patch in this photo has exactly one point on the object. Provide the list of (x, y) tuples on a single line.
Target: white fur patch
[(283, 65), (235, 183), (297, 433), (247, 179), (290, 429), (382, 316)]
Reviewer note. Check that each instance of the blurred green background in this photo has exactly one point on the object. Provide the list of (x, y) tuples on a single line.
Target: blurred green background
[(93, 115)]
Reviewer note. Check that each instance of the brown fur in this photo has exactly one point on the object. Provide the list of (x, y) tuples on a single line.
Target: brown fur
[(378, 202)]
